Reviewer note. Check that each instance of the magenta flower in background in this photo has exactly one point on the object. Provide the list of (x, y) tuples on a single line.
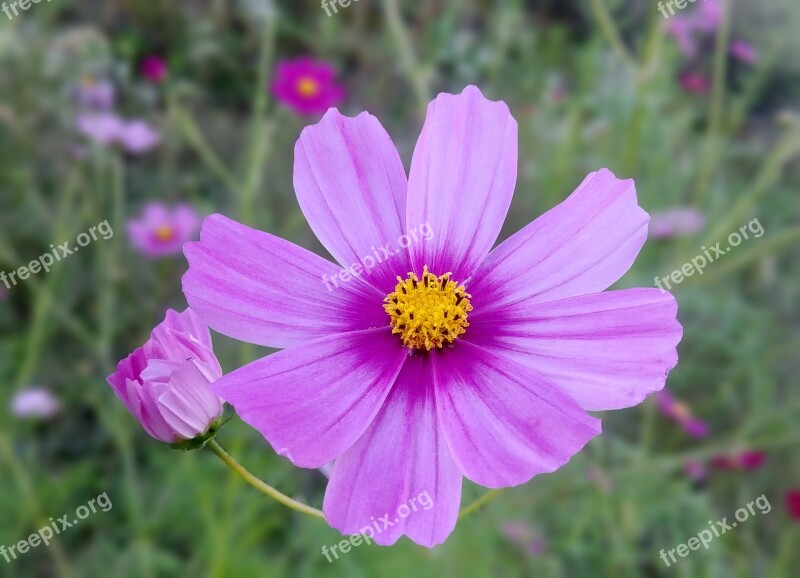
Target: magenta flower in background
[(676, 222), (35, 402), (793, 504), (744, 51), (94, 95), (444, 358), (165, 383), (307, 86), (162, 230), (680, 413), (154, 68), (695, 83), (743, 460)]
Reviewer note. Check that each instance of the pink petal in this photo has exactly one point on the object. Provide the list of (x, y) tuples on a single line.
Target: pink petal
[(399, 460), (351, 186), (503, 422), (581, 246), (312, 402), (258, 288), (462, 179), (607, 350), (189, 406)]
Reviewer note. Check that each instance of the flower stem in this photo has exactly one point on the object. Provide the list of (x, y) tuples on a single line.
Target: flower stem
[(477, 504), (262, 486)]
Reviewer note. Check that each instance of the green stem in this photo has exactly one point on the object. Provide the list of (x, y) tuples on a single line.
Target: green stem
[(612, 35), (262, 486), (417, 76), (479, 503), (716, 110)]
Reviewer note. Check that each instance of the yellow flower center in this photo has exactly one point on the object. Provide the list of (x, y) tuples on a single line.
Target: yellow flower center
[(307, 87), (428, 312), (164, 233)]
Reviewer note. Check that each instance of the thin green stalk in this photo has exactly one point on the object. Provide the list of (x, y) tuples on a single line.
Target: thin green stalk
[(716, 110), (262, 486), (416, 75), (479, 503), (606, 23)]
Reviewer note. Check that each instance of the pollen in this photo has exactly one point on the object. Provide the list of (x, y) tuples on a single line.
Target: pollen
[(428, 313), (164, 233), (307, 87)]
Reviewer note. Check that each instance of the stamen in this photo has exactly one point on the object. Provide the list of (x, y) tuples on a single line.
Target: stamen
[(430, 314)]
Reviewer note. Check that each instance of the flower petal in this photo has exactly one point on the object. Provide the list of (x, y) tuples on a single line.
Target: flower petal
[(313, 402), (461, 182), (400, 475), (607, 350), (351, 186), (503, 422), (582, 246), (255, 287)]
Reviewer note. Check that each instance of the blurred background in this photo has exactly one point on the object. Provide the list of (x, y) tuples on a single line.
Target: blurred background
[(141, 117)]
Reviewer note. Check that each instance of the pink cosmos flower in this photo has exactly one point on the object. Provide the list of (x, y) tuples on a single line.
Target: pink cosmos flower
[(703, 21), (138, 137), (307, 86), (744, 51), (165, 383), (696, 470), (154, 68), (161, 230), (94, 95), (695, 83), (744, 460), (443, 358), (793, 504), (106, 129), (679, 412), (35, 402), (101, 128), (676, 222)]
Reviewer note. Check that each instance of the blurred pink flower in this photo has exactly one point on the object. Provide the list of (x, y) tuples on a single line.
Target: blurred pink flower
[(108, 129), (524, 536), (744, 460), (695, 83), (793, 504), (35, 402), (680, 412), (101, 128), (676, 222), (743, 51), (94, 95), (161, 230), (307, 86), (154, 68), (696, 470), (705, 20), (138, 137), (165, 383)]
